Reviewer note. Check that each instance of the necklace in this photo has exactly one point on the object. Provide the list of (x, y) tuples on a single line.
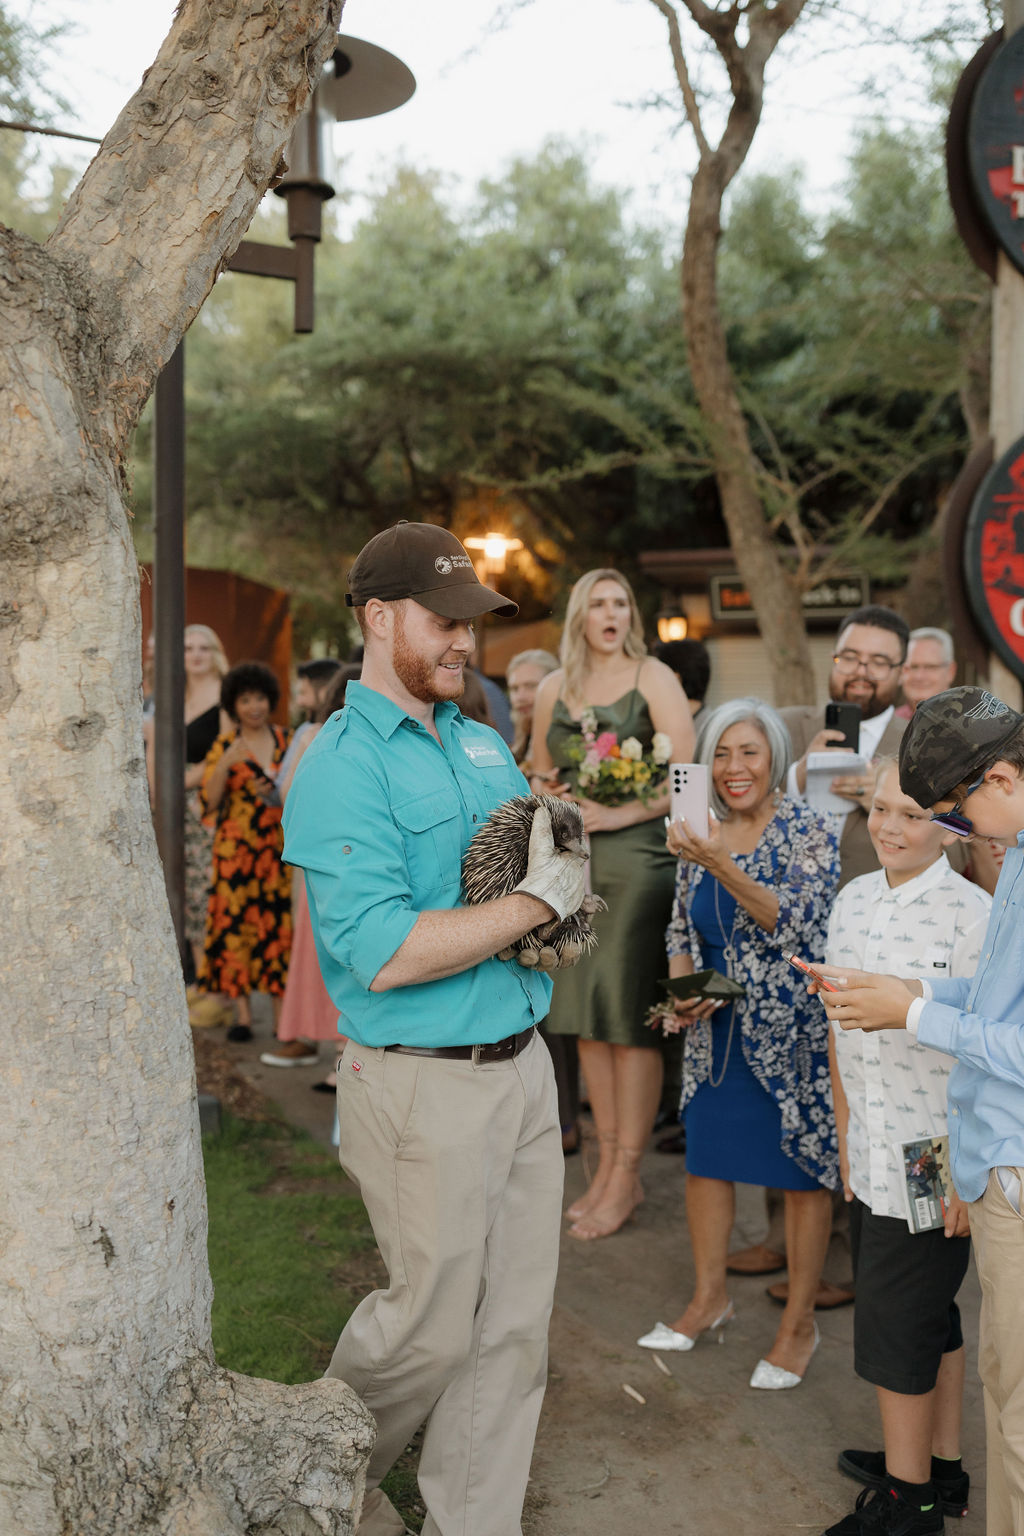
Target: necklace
[(729, 951)]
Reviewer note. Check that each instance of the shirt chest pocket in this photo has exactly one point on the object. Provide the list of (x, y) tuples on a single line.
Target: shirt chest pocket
[(936, 960), (432, 834)]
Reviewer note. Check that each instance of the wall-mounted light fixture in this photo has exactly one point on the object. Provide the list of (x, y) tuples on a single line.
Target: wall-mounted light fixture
[(672, 622)]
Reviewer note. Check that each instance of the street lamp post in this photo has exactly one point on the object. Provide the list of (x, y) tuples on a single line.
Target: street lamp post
[(361, 80)]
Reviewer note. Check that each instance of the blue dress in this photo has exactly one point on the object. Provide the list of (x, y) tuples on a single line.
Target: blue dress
[(733, 1127), (769, 1120)]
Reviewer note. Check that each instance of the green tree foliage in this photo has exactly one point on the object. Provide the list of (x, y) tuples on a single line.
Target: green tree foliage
[(530, 341), (861, 347), (23, 98), (453, 348)]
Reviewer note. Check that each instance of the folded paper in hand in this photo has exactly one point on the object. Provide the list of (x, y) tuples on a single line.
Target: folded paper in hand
[(822, 768)]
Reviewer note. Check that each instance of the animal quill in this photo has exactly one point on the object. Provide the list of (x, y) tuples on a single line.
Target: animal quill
[(495, 863)]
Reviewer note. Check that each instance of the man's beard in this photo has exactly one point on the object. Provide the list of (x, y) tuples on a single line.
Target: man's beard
[(415, 673), (871, 705)]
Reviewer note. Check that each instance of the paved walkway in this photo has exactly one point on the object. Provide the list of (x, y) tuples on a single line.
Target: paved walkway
[(703, 1454)]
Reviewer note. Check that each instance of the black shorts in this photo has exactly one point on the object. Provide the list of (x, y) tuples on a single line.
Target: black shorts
[(905, 1316)]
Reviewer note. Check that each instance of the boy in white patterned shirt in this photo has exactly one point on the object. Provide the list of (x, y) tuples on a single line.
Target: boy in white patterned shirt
[(915, 916)]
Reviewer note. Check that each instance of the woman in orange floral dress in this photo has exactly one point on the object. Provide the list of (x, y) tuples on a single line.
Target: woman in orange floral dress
[(248, 916)]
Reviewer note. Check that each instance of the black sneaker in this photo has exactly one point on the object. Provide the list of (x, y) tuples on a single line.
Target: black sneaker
[(239, 1032), (868, 1467), (886, 1514)]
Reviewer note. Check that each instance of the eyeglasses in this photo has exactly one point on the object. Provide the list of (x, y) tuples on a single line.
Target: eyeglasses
[(954, 821), (876, 667)]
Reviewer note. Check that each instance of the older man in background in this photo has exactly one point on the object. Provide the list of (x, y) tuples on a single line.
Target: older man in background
[(930, 668)]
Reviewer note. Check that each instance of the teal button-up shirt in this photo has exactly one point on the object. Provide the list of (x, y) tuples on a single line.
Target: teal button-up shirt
[(379, 817)]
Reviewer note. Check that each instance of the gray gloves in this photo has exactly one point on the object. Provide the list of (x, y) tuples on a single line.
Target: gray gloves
[(556, 876)]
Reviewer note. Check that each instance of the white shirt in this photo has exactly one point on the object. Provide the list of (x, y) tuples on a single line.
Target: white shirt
[(932, 925), (871, 733)]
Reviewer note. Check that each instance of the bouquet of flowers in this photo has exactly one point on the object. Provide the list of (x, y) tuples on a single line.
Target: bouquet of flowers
[(612, 771)]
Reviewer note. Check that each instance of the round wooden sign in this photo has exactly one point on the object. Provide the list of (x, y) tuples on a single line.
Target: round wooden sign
[(995, 142), (994, 557)]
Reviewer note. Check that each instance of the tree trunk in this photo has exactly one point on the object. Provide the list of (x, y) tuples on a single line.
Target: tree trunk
[(776, 596), (115, 1418)]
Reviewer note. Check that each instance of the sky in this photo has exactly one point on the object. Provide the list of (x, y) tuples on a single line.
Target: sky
[(487, 93)]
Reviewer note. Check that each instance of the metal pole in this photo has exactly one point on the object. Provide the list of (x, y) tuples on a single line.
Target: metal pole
[(169, 630)]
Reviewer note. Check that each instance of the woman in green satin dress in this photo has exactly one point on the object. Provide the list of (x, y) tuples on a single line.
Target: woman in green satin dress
[(604, 999)]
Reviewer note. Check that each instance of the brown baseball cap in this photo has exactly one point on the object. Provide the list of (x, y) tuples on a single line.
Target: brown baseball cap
[(951, 737), (428, 564)]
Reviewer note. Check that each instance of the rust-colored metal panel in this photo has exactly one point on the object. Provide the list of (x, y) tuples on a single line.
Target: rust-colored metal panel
[(253, 620)]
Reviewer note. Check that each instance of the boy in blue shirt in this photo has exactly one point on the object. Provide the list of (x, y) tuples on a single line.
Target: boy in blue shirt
[(963, 756)]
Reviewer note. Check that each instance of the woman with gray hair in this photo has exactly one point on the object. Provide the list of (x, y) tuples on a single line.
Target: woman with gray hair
[(523, 676), (756, 1102)]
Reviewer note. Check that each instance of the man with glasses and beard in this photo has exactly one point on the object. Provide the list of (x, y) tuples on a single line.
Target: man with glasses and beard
[(870, 650), (446, 1097)]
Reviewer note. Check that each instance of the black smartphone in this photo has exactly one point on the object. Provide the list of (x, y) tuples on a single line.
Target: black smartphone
[(845, 718), (264, 787)]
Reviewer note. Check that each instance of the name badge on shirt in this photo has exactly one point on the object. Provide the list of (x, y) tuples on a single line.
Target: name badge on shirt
[(482, 754)]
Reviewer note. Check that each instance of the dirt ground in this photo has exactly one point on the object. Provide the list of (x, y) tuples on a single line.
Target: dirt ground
[(703, 1454)]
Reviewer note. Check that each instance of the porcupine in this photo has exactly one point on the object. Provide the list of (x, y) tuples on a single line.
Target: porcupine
[(495, 862)]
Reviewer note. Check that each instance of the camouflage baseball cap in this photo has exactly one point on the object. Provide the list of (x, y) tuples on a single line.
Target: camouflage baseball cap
[(428, 564), (950, 738)]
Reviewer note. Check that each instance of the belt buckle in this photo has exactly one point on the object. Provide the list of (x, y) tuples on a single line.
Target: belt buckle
[(476, 1055)]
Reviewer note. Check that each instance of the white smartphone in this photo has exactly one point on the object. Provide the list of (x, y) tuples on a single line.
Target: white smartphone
[(688, 795)]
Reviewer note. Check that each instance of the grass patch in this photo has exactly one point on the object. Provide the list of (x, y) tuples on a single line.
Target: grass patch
[(291, 1254), (282, 1229)]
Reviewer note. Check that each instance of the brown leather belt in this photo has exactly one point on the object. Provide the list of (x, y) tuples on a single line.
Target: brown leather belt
[(501, 1050)]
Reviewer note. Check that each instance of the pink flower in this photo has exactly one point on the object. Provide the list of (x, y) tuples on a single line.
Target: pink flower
[(604, 743)]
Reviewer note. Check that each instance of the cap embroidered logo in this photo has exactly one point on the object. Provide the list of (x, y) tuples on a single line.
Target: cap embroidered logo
[(443, 566), (987, 708)]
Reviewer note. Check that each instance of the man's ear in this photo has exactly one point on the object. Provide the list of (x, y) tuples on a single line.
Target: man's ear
[(378, 617)]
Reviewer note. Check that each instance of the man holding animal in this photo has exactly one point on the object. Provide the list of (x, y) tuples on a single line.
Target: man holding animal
[(446, 1096)]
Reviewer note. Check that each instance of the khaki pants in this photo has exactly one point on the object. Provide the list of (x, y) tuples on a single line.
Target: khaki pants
[(998, 1234), (460, 1168)]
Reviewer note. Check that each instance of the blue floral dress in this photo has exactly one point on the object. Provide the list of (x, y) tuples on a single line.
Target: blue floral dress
[(756, 1096)]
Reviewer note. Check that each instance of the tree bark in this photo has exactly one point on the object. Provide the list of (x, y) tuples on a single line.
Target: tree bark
[(758, 557), (775, 592), (115, 1418)]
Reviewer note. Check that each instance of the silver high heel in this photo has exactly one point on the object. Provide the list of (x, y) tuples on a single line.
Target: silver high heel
[(663, 1337), (772, 1378)]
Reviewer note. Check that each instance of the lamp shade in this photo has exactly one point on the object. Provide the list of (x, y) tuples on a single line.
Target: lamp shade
[(363, 80)]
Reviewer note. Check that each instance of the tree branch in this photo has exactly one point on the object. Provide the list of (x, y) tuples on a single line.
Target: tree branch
[(178, 178), (690, 104)]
